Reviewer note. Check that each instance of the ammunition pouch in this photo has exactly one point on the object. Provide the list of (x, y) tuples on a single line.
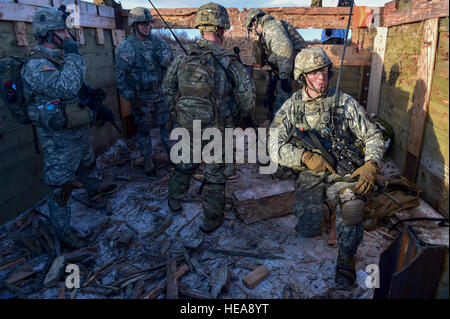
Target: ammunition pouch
[(48, 115), (259, 53), (78, 116)]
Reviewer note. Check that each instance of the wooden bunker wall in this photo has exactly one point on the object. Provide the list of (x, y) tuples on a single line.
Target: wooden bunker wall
[(402, 90)]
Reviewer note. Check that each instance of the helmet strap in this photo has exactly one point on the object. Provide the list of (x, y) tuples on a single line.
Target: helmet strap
[(310, 86)]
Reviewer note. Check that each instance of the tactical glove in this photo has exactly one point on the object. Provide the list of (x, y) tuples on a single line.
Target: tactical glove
[(70, 46), (316, 163), (367, 177), (286, 85)]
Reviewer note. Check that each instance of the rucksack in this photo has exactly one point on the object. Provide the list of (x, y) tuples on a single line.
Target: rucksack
[(196, 83), (298, 43), (11, 86), (11, 83)]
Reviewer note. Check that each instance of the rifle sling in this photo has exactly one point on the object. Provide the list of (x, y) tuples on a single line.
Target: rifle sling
[(327, 156), (52, 59)]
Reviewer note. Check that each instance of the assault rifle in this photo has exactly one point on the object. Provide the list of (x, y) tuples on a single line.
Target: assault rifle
[(93, 99), (339, 155)]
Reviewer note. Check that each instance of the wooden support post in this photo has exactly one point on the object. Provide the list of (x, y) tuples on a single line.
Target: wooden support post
[(376, 70), (99, 36), (80, 36), (172, 282), (421, 97), (21, 34)]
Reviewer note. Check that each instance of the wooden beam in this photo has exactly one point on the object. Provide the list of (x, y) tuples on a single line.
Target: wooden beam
[(23, 12), (80, 36), (117, 37), (252, 279), (334, 51), (419, 11), (99, 36), (37, 3), (172, 282), (21, 34), (421, 97), (376, 71), (105, 11)]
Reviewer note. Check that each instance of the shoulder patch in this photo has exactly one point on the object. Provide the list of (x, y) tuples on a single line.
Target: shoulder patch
[(48, 67), (125, 58)]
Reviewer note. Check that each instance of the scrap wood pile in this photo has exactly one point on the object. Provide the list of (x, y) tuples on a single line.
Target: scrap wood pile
[(137, 248)]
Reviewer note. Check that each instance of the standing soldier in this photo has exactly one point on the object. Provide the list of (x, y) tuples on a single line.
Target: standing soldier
[(278, 43), (323, 122), (52, 81), (210, 85), (141, 61)]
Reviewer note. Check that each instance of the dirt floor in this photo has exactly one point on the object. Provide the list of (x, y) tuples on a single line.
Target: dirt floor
[(132, 240)]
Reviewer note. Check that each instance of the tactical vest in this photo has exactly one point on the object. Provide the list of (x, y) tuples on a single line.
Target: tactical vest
[(145, 73)]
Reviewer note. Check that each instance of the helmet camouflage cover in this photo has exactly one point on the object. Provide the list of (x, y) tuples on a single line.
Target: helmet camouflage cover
[(310, 59), (212, 14), (48, 19), (251, 14), (139, 14)]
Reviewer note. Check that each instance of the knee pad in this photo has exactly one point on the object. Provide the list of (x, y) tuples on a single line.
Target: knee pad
[(352, 212)]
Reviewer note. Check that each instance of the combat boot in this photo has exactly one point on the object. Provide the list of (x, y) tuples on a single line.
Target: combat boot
[(209, 225), (149, 166), (345, 271), (175, 205)]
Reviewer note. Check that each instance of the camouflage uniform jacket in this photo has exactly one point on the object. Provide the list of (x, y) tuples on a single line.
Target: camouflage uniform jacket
[(279, 47), (45, 81), (236, 101), (350, 119), (140, 67)]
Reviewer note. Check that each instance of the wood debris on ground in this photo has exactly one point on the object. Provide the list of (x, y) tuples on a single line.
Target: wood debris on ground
[(138, 248)]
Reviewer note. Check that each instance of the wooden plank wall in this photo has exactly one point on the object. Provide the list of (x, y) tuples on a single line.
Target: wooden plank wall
[(399, 84), (21, 182)]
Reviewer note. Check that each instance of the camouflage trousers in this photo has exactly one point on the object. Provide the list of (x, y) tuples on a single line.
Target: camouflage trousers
[(311, 191), (67, 153), (213, 193), (147, 114)]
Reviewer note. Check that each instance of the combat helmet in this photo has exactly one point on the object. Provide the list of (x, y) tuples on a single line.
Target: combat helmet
[(212, 15), (139, 14), (48, 19), (251, 15), (310, 59)]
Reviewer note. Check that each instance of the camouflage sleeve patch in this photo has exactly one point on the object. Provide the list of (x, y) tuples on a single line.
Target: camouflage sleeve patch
[(125, 58)]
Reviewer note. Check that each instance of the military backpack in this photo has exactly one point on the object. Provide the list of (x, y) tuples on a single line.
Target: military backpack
[(196, 82), (11, 86)]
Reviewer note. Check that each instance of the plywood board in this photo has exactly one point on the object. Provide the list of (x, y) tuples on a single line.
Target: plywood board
[(99, 36), (376, 71), (21, 33), (421, 96)]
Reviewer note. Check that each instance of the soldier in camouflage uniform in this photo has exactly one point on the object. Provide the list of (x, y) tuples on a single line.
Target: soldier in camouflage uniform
[(52, 81), (141, 61), (278, 43), (315, 109), (187, 86)]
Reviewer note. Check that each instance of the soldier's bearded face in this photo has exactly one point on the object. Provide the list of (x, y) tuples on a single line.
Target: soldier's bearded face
[(319, 79), (144, 28)]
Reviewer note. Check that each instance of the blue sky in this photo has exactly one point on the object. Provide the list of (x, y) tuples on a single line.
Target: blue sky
[(309, 34)]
